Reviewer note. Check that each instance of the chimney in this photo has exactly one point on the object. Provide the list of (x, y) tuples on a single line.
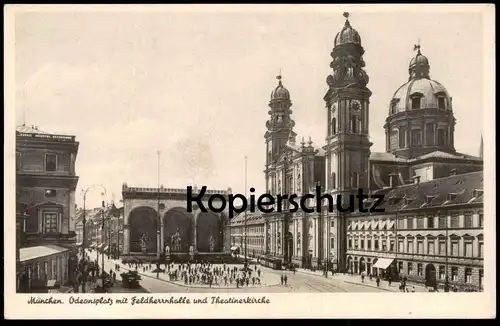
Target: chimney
[(453, 172), (416, 179), (393, 180)]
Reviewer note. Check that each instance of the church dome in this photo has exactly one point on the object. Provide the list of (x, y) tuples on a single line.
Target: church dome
[(347, 34), (280, 92), (420, 92), (429, 94)]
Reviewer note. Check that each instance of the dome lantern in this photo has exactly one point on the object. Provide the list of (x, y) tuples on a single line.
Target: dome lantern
[(419, 65)]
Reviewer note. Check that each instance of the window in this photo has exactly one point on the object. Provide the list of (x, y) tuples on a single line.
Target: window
[(429, 134), (334, 126), (420, 222), (402, 137), (19, 162), (362, 243), (393, 107), (481, 249), (392, 243), (441, 103), (45, 270), (454, 274), (401, 223), (355, 124), (409, 223), (355, 243), (442, 272), (468, 220), (401, 246), (454, 223), (430, 221), (415, 103), (355, 180), (454, 247), (50, 193), (410, 246), (468, 248), (384, 245), (420, 246), (54, 269), (481, 220), (334, 180), (376, 244), (410, 268), (440, 137), (442, 247), (350, 243), (332, 243), (430, 247), (442, 222), (481, 276), (50, 162), (468, 275), (50, 222), (416, 137), (420, 270), (400, 267), (368, 244), (332, 224)]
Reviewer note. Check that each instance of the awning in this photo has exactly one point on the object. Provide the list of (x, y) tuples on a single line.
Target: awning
[(382, 225), (30, 253), (390, 224), (234, 248), (93, 245), (354, 225), (383, 263), (374, 224), (106, 248), (367, 224)]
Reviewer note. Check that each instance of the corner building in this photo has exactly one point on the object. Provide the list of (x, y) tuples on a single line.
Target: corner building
[(434, 192)]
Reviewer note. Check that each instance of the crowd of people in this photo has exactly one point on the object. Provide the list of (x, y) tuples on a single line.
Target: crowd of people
[(204, 273)]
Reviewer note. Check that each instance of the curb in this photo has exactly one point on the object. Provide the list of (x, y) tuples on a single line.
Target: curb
[(370, 286)]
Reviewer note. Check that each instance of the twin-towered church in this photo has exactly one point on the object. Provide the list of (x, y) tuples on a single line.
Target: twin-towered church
[(419, 148)]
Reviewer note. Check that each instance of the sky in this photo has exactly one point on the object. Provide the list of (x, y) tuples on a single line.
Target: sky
[(196, 85)]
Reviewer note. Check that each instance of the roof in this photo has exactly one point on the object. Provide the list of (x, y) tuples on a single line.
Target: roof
[(30, 130), (445, 155), (464, 188), (31, 253), (251, 218), (389, 157), (386, 157)]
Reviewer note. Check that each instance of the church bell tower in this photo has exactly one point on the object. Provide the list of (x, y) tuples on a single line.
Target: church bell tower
[(347, 142), (279, 130)]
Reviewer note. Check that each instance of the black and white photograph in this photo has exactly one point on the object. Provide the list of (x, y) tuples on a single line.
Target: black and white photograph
[(258, 151)]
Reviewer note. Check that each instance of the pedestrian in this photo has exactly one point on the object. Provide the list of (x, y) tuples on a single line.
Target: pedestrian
[(282, 280), (378, 281), (285, 279), (413, 289)]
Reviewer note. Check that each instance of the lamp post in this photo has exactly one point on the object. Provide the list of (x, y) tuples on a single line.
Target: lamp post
[(246, 257), (158, 231), (102, 240), (84, 223)]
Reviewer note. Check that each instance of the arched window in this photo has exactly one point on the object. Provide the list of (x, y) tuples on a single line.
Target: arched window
[(334, 126), (402, 137), (333, 181)]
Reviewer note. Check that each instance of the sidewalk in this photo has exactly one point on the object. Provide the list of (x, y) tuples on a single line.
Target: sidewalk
[(356, 279)]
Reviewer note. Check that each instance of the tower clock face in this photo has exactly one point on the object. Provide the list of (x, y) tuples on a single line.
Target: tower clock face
[(355, 105)]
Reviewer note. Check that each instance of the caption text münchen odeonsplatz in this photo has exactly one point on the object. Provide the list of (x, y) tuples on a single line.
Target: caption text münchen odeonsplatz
[(138, 300)]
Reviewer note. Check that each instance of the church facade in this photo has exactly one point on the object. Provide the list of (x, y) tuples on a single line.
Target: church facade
[(421, 175)]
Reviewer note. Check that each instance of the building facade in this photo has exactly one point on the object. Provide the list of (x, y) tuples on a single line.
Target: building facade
[(251, 228), (156, 220), (45, 187), (420, 164)]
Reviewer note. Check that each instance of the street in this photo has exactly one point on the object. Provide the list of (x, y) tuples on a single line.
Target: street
[(299, 282)]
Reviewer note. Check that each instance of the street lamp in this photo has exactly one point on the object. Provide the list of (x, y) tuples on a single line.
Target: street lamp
[(246, 257), (84, 222), (102, 240), (158, 231)]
